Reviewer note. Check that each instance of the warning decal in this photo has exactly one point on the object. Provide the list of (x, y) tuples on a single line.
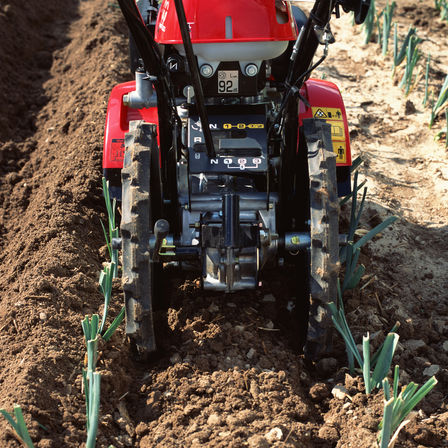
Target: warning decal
[(324, 113), (340, 149), (117, 150), (337, 130), (334, 117)]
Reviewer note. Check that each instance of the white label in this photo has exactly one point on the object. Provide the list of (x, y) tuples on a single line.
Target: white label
[(227, 81)]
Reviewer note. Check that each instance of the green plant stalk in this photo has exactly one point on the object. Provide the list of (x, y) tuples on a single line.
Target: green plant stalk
[(113, 229), (90, 327), (86, 396), (369, 23), (387, 22), (384, 359), (425, 99), (399, 56), (94, 391), (114, 325), (386, 430), (446, 129), (92, 354), (105, 281), (372, 233), (18, 425), (404, 402), (356, 164), (341, 325), (380, 348), (412, 57), (441, 100), (345, 199), (366, 366)]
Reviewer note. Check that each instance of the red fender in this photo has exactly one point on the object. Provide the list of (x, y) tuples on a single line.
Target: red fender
[(117, 124), (326, 104)]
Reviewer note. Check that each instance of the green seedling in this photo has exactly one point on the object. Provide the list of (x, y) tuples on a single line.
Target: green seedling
[(380, 362), (400, 54), (425, 99), (387, 22), (443, 132), (398, 406), (112, 231), (105, 281), (91, 379), (440, 104), (18, 425), (369, 23), (413, 55)]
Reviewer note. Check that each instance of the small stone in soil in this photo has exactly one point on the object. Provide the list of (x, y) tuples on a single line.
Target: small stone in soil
[(214, 419), (340, 392), (176, 358), (434, 369), (274, 435), (257, 442), (445, 346), (414, 344), (250, 354)]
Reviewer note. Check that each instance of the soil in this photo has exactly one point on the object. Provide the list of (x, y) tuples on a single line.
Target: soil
[(226, 376)]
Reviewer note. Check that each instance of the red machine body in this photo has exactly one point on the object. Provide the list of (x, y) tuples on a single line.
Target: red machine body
[(323, 96), (117, 124), (226, 21)]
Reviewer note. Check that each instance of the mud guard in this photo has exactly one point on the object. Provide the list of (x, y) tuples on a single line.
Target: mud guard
[(117, 124), (326, 103)]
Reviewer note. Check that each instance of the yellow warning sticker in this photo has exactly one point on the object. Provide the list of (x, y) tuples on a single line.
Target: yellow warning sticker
[(340, 149), (327, 113), (337, 130)]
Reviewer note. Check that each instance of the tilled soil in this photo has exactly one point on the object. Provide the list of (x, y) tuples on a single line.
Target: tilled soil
[(227, 375)]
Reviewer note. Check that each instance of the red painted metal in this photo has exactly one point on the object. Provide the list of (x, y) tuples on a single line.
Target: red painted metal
[(325, 96), (117, 124), (251, 21)]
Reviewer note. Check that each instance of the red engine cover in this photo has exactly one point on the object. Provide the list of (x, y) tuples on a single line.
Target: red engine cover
[(226, 21), (326, 104)]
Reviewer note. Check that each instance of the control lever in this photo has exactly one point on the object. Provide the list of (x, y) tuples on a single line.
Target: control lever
[(161, 229)]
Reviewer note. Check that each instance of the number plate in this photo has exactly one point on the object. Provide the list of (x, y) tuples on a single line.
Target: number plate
[(227, 81)]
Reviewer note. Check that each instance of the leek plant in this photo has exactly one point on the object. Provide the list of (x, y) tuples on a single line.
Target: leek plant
[(112, 231), (105, 281), (18, 425), (351, 252), (400, 53), (442, 7), (425, 99), (413, 55), (381, 361), (387, 22), (441, 102), (398, 405), (91, 379), (369, 23)]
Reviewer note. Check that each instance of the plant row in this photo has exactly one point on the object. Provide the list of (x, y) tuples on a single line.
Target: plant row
[(374, 368), (407, 52), (94, 330)]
